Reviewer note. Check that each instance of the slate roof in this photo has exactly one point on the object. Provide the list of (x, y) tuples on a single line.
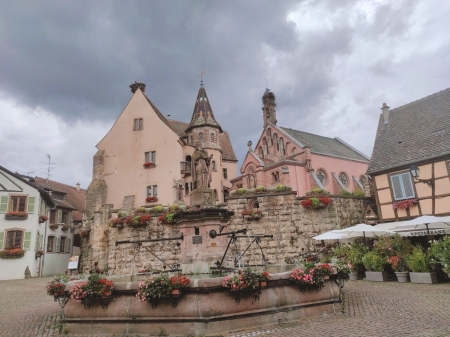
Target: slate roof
[(416, 132), (224, 139), (74, 199), (324, 145), (203, 114)]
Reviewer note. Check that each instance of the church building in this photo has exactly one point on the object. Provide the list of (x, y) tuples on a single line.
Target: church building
[(299, 159), (146, 158)]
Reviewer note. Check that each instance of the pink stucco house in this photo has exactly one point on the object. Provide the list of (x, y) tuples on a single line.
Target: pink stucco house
[(145, 159), (299, 159)]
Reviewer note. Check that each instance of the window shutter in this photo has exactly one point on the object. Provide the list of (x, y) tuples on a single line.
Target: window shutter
[(58, 244), (69, 221), (31, 204), (407, 185), (27, 240), (4, 204), (397, 188), (69, 245), (2, 239), (59, 216)]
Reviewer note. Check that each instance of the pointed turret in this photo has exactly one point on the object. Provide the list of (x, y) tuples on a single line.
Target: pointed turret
[(203, 126), (203, 114)]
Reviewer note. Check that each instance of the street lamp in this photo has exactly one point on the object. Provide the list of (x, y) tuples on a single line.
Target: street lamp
[(415, 171)]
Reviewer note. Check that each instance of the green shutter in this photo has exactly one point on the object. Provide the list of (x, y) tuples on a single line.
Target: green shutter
[(69, 243), (58, 244), (3, 204), (59, 216), (2, 239), (27, 240), (31, 204)]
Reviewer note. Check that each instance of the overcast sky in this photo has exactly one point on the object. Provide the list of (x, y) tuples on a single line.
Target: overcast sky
[(65, 68)]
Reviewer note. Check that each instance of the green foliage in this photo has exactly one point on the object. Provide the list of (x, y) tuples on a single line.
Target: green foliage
[(395, 245), (359, 193), (315, 201), (419, 261), (373, 262), (261, 189), (440, 250), (316, 192), (169, 217), (325, 258), (157, 209), (141, 210), (346, 193), (122, 214), (250, 277), (281, 188), (356, 252)]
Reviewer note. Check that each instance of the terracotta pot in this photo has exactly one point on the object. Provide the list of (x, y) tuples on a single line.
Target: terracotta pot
[(263, 283), (175, 291), (106, 293), (244, 285), (326, 277)]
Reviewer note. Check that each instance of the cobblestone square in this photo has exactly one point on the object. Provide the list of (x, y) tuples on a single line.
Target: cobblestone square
[(368, 309)]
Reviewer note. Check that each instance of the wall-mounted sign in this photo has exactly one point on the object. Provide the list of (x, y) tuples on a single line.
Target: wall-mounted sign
[(73, 262), (197, 239)]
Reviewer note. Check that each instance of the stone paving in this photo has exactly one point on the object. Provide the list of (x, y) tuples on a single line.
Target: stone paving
[(368, 309)]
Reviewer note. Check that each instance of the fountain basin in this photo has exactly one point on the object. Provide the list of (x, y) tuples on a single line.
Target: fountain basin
[(205, 308)]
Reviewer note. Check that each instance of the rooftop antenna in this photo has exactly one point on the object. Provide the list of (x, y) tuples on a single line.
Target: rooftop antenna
[(49, 166), (201, 77), (28, 173)]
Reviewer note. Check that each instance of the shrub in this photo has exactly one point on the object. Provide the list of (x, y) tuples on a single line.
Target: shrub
[(157, 209), (359, 193), (441, 251), (373, 262), (356, 252), (419, 261)]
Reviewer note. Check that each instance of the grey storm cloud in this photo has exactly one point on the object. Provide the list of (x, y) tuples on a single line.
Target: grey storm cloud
[(76, 59)]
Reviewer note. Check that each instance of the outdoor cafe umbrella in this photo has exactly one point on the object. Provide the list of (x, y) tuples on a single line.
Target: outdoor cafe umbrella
[(335, 235), (424, 222), (366, 231)]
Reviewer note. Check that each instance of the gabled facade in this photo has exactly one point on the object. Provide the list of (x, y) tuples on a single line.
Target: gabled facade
[(416, 134), (299, 159), (24, 207), (65, 220), (145, 159)]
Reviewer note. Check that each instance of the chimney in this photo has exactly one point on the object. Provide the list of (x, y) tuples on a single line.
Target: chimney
[(385, 112), (137, 85), (78, 187)]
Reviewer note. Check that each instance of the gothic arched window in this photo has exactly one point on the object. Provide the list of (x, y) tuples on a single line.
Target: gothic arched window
[(322, 176), (343, 178), (200, 137)]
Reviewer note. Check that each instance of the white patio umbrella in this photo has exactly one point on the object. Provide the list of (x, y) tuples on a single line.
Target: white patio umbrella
[(366, 231), (335, 235), (437, 225)]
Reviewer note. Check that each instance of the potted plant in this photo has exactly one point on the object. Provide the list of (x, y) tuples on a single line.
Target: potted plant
[(151, 199), (263, 278), (343, 269), (400, 268), (252, 213), (233, 282), (57, 286), (250, 278), (355, 253), (323, 271), (138, 220), (420, 264), (441, 252), (395, 249), (53, 226), (316, 198), (42, 218), (374, 264), (304, 277), (149, 164), (179, 282), (94, 287), (154, 287), (12, 253)]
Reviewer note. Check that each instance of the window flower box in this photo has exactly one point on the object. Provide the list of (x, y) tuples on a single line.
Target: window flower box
[(43, 218), (149, 164), (404, 204), (65, 227), (151, 199), (15, 253), (53, 226), (16, 216)]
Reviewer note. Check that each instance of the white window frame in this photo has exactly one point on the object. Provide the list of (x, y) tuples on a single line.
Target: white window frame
[(402, 178)]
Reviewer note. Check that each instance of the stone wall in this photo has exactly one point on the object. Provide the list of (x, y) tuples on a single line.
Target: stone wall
[(292, 225)]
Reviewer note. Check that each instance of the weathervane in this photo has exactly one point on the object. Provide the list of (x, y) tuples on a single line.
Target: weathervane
[(201, 77)]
